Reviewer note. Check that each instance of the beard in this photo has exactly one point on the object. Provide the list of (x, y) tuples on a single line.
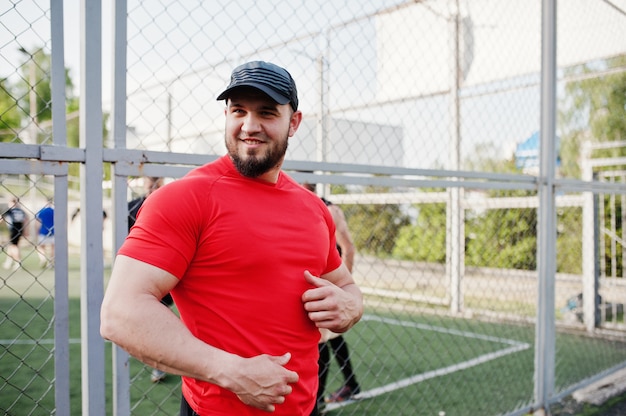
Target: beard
[(254, 165)]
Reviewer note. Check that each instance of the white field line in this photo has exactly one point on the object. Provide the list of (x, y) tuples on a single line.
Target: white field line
[(516, 346), (442, 330)]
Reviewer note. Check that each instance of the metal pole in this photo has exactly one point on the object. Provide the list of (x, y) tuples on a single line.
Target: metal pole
[(591, 269), (546, 235), (61, 256), (120, 358), (91, 254), (32, 130), (323, 117), (32, 98), (454, 211), (168, 119)]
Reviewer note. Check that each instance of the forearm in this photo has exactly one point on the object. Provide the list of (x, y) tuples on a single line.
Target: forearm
[(353, 309), (138, 326)]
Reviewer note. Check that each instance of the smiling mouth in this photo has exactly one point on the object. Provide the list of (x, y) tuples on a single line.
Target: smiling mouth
[(252, 141)]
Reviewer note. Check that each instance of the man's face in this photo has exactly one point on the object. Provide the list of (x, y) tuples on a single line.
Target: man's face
[(257, 131)]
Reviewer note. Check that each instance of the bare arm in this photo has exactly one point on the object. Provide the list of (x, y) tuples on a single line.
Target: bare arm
[(37, 225), (342, 234), (133, 317), (26, 226)]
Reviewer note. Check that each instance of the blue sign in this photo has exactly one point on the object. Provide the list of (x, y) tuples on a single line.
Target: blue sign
[(527, 153)]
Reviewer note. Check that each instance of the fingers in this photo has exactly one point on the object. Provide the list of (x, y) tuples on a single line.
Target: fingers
[(315, 294), (314, 280), (292, 376), (282, 359), (316, 299), (267, 401), (268, 382)]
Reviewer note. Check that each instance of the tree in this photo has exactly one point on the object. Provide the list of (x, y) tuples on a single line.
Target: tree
[(426, 239), (508, 237), (10, 114), (503, 238), (35, 82), (593, 108), (569, 240), (374, 227)]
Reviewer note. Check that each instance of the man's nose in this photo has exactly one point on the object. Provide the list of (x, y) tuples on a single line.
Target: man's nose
[(251, 124)]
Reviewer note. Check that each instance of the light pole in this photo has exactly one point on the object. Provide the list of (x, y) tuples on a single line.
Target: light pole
[(461, 42), (33, 127), (32, 95)]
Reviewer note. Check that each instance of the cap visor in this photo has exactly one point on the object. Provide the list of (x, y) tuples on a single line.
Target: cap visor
[(279, 98)]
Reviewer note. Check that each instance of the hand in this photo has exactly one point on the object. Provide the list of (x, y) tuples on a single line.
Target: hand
[(330, 306), (263, 381)]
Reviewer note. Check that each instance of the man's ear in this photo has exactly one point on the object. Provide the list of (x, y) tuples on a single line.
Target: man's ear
[(294, 122)]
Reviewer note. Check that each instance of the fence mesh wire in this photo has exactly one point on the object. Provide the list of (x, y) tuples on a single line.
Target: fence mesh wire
[(440, 86)]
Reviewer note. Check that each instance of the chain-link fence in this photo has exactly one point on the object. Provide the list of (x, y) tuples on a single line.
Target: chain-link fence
[(490, 252)]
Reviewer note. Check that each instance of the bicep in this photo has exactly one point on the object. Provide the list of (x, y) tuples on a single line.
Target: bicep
[(131, 278)]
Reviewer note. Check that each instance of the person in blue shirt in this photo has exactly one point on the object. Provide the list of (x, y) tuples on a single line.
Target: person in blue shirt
[(45, 235)]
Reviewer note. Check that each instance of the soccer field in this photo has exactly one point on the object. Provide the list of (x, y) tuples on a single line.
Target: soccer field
[(395, 360), (406, 364)]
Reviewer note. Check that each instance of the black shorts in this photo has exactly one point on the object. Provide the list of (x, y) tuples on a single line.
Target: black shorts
[(16, 233), (185, 409)]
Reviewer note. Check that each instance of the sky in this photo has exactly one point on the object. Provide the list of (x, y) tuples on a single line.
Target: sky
[(185, 49)]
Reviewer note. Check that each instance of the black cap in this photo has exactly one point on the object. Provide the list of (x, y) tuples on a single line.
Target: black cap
[(267, 77)]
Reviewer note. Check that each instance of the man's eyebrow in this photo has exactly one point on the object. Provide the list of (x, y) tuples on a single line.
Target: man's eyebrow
[(271, 107), (263, 107)]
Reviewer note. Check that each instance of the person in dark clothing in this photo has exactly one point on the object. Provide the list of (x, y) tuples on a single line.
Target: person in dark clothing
[(330, 340), (150, 184), (16, 220)]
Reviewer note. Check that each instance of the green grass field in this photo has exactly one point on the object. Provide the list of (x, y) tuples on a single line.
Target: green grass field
[(407, 364)]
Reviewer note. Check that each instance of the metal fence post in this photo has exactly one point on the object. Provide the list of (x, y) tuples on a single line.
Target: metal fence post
[(91, 253), (546, 244)]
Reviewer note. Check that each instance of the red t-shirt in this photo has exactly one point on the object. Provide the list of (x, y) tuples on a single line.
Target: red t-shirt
[(240, 247)]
